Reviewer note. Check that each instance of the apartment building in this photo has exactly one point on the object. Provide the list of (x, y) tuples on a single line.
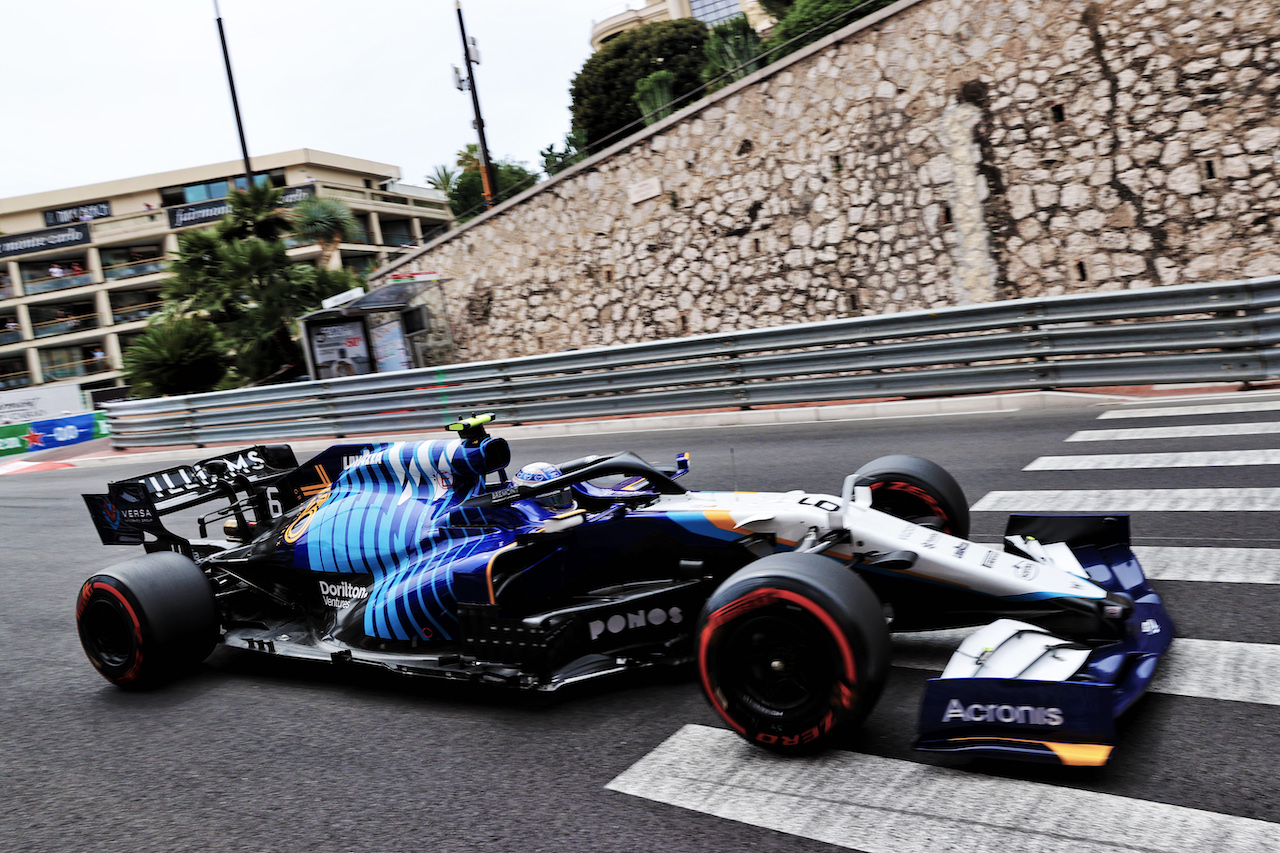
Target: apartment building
[(81, 269), (635, 13)]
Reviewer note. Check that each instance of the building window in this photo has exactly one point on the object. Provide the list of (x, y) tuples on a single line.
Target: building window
[(212, 190), (712, 12)]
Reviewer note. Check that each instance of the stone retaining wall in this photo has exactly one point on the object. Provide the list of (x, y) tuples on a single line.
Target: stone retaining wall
[(942, 152)]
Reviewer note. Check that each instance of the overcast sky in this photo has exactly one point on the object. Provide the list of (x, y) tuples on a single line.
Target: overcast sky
[(96, 90)]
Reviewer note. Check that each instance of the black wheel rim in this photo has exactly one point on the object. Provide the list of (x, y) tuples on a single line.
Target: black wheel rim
[(778, 662), (107, 633)]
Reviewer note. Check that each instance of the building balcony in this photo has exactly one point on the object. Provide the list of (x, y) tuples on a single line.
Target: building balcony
[(132, 313), (73, 369), (145, 266), (143, 223), (65, 325), (10, 336), (17, 379), (58, 282)]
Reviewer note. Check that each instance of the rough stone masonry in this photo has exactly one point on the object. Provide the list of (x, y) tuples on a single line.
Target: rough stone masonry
[(942, 152)]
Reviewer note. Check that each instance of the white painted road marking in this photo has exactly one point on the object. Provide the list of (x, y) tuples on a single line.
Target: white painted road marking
[(1132, 500), (1215, 565), (1206, 409), (1205, 669), (886, 805), (1190, 459), (1198, 431)]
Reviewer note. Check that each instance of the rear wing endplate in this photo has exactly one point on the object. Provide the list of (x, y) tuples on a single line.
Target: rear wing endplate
[(133, 507)]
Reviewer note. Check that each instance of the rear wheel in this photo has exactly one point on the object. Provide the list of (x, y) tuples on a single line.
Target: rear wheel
[(793, 651), (147, 620), (915, 489)]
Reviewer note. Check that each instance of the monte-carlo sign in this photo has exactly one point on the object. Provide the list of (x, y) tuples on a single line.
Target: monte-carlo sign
[(39, 241), (205, 212)]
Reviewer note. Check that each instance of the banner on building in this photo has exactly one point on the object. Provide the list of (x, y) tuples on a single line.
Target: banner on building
[(33, 404), (38, 241), (78, 213)]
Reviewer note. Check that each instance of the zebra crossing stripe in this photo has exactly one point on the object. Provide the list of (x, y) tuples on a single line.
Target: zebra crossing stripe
[(1190, 459), (887, 805), (1209, 409), (1198, 431), (1216, 565), (1132, 500), (1205, 669)]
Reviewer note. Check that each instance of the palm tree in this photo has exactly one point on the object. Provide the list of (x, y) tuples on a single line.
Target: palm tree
[(326, 221), (469, 158), (247, 288), (733, 51), (255, 212), (180, 355), (654, 95), (443, 179)]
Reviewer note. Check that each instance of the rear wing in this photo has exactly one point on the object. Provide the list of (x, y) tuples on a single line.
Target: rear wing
[(131, 508)]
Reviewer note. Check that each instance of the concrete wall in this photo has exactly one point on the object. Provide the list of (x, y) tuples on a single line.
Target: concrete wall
[(942, 152)]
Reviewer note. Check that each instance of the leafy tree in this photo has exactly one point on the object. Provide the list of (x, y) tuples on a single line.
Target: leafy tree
[(466, 199), (326, 221), (247, 288), (602, 90), (180, 355), (469, 158), (575, 149), (777, 8), (653, 96), (733, 51), (810, 20)]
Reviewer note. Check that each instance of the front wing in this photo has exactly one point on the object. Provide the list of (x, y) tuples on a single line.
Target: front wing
[(1013, 690)]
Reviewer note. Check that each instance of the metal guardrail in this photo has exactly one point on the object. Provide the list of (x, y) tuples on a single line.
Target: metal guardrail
[(1223, 331)]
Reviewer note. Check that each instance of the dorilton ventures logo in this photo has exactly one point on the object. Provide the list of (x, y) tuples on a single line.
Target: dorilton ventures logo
[(341, 594)]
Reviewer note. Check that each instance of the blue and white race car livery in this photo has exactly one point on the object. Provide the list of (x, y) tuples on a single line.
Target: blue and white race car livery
[(424, 558)]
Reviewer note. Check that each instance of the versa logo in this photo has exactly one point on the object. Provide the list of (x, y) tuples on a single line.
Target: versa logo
[(1025, 714), (620, 622)]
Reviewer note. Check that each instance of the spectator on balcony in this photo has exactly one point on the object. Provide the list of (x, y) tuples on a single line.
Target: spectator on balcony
[(11, 324), (76, 269), (98, 354), (56, 270)]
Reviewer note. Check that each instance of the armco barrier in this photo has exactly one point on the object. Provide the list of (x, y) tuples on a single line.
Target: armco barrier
[(1218, 332)]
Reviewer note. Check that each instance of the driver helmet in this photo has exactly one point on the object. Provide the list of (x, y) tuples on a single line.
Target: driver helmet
[(537, 473)]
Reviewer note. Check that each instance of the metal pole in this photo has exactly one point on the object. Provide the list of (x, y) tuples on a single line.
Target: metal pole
[(488, 178), (235, 102)]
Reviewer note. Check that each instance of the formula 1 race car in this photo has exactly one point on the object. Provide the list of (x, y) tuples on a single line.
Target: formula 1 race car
[(424, 558)]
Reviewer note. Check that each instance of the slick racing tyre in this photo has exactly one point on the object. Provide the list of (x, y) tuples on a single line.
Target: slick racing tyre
[(918, 490), (793, 651), (147, 620)]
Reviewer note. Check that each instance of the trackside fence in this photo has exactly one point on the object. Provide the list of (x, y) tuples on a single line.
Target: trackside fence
[(1217, 332)]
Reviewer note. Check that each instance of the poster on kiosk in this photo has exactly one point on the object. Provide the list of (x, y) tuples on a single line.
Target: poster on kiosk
[(339, 348)]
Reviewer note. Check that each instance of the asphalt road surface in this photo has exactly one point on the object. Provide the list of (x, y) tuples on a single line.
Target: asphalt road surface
[(253, 754)]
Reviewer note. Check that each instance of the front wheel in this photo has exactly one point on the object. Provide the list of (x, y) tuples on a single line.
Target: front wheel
[(918, 490), (793, 651), (146, 620)]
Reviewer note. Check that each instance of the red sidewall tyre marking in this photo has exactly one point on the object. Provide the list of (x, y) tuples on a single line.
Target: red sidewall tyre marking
[(761, 598), (917, 493), (136, 626)]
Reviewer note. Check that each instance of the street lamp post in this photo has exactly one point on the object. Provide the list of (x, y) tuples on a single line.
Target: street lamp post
[(235, 102), (488, 179)]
